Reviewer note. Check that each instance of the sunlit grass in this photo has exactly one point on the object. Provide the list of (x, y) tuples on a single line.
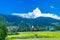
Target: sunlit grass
[(41, 34), (38, 39)]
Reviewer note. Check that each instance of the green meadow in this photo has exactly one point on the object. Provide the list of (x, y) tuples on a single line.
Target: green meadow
[(38, 39), (40, 35)]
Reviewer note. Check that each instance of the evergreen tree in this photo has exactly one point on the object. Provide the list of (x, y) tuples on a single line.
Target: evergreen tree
[(3, 28)]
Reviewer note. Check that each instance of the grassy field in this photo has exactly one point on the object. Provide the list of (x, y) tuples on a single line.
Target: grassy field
[(32, 36), (38, 39)]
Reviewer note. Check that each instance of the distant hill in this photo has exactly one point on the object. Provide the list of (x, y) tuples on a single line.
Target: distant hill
[(31, 21)]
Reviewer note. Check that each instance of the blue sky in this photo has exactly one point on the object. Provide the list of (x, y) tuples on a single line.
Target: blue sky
[(24, 6)]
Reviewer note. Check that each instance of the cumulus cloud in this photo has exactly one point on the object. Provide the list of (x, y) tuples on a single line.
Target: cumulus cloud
[(36, 13)]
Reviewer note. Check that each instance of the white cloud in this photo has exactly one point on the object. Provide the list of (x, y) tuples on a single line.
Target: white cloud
[(51, 6), (36, 13)]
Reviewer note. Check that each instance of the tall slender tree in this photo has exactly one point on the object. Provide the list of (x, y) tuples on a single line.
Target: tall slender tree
[(3, 28)]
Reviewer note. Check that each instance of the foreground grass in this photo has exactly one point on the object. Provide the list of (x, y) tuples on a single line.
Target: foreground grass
[(38, 39), (41, 34)]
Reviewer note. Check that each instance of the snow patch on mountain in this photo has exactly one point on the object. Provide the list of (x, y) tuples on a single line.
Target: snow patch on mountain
[(36, 13)]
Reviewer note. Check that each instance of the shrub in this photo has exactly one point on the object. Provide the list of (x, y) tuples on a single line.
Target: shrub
[(3, 31)]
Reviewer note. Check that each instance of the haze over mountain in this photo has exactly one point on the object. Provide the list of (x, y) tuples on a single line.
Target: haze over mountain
[(36, 13)]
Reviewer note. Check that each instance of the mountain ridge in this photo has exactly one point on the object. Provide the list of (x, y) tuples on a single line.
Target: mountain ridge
[(40, 20)]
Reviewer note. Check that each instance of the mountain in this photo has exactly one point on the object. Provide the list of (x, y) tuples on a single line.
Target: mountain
[(32, 18), (40, 22), (30, 21)]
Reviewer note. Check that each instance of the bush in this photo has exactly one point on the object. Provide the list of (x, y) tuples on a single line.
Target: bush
[(3, 31)]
